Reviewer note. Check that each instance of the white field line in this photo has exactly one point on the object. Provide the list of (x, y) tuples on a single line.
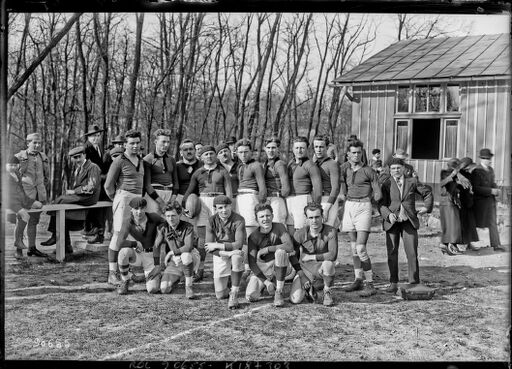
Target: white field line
[(184, 333)]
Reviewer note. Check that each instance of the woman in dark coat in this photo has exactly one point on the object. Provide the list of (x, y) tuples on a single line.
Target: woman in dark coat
[(449, 208), (467, 216)]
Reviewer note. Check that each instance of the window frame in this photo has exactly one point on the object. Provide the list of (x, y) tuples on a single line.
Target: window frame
[(444, 122)]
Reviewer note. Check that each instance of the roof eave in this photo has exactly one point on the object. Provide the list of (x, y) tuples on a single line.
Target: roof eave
[(341, 83)]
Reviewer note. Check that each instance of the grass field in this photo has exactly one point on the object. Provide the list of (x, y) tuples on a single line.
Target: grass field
[(71, 306)]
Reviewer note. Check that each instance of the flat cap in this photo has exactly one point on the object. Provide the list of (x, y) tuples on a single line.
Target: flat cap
[(486, 154), (116, 151), (76, 150), (33, 136), (221, 200), (206, 148), (138, 202), (221, 146)]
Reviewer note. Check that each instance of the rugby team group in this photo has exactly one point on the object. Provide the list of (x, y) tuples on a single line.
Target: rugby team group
[(263, 222)]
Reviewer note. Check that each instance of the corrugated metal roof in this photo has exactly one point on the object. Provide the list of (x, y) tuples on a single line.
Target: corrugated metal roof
[(450, 57)]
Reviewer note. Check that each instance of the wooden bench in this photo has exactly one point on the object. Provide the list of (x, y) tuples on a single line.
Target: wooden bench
[(60, 210)]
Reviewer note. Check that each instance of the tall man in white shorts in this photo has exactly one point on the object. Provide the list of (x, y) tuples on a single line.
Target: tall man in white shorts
[(125, 181), (269, 248), (160, 179), (359, 183), (225, 235), (211, 180), (251, 190), (305, 183), (330, 173), (276, 180), (178, 250), (135, 243), (316, 248)]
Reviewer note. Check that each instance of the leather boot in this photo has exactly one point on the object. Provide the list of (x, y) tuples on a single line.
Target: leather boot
[(51, 241)]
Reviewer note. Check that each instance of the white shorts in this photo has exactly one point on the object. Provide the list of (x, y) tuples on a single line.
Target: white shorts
[(176, 268), (279, 208), (296, 205), (357, 216), (222, 266), (153, 205), (245, 203), (121, 209), (312, 269), (207, 210), (332, 220)]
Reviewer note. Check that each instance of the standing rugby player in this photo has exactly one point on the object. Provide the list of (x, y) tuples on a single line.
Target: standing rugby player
[(225, 235), (210, 181), (330, 173), (276, 180), (269, 248), (358, 184), (305, 182), (125, 181), (160, 174), (251, 189), (316, 248)]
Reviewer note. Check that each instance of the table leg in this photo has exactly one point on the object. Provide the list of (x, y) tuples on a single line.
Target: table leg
[(61, 231)]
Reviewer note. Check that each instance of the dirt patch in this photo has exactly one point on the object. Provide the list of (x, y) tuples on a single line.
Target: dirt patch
[(70, 305)]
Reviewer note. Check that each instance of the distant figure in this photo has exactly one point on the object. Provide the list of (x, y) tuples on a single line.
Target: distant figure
[(449, 208), (198, 146), (375, 157), (486, 190), (467, 215)]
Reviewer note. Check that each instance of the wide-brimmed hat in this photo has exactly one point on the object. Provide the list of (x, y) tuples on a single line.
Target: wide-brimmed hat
[(486, 154), (93, 128)]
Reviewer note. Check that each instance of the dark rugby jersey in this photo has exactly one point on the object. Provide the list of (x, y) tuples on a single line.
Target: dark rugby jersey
[(146, 237), (251, 176), (184, 173), (124, 175), (330, 173), (233, 174), (360, 183), (276, 178), (231, 233), (159, 170), (324, 246), (210, 180), (278, 235), (305, 179), (179, 240)]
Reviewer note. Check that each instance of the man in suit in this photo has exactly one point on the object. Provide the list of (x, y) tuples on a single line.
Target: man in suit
[(399, 216), (85, 190), (484, 199), (95, 221)]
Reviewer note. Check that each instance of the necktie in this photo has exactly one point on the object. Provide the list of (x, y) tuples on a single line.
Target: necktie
[(77, 173), (98, 150), (402, 216)]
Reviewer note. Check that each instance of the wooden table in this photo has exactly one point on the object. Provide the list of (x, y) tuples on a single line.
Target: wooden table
[(60, 210)]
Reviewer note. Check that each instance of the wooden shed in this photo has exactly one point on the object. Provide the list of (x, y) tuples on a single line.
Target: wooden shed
[(436, 98)]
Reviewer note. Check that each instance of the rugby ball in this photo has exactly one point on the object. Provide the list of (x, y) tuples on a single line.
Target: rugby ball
[(193, 205)]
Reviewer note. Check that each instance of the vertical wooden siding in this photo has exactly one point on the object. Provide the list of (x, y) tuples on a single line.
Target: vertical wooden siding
[(484, 122)]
